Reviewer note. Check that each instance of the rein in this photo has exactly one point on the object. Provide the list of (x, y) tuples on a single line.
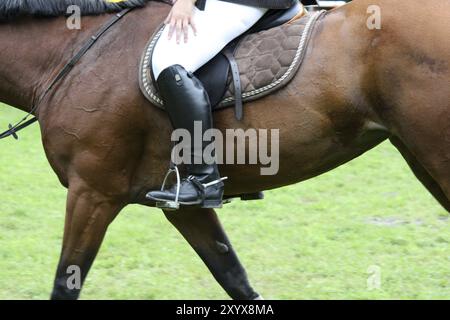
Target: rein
[(12, 130)]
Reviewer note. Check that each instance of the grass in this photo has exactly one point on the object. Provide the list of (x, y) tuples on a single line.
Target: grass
[(313, 240)]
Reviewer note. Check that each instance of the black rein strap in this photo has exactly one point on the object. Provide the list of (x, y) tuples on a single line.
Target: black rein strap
[(12, 131)]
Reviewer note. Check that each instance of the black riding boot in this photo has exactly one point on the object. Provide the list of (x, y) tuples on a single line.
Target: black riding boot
[(186, 101)]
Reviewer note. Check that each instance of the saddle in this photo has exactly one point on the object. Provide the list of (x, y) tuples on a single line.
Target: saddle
[(263, 60)]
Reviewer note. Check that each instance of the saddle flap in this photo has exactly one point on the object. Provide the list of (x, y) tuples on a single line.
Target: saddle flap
[(214, 76)]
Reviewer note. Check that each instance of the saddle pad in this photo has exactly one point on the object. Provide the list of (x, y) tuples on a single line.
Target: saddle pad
[(267, 60)]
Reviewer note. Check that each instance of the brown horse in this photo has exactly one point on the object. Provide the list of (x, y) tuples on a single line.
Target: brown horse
[(357, 87)]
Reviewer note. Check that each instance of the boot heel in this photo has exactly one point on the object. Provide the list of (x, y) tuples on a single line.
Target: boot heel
[(168, 205), (212, 204), (215, 202)]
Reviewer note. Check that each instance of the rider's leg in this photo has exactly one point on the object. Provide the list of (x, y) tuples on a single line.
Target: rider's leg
[(184, 97), (217, 25), (186, 103)]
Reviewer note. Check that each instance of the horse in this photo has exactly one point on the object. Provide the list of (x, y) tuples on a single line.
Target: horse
[(358, 86)]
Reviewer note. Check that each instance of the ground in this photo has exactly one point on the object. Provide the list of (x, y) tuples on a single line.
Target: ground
[(367, 230)]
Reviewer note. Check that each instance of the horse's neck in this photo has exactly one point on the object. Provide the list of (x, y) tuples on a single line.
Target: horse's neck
[(33, 50)]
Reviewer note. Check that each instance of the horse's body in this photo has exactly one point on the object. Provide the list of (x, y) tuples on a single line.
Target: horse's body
[(109, 146)]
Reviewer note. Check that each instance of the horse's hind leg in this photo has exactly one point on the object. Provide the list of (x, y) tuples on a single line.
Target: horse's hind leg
[(422, 174), (202, 229), (426, 138), (88, 215)]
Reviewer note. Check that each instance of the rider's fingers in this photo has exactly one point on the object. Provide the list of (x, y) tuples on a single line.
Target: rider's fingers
[(179, 27), (171, 28), (186, 29), (193, 26)]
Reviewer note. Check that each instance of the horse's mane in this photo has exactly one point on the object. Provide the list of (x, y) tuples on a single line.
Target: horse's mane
[(10, 9)]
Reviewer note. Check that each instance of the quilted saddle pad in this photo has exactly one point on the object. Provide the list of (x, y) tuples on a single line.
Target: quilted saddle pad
[(267, 60)]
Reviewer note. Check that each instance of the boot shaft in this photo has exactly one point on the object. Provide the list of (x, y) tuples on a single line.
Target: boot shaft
[(186, 101)]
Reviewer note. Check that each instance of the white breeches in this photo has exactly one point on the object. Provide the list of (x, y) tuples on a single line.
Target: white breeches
[(217, 25)]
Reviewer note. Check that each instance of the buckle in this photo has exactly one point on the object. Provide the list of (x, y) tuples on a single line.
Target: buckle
[(12, 131)]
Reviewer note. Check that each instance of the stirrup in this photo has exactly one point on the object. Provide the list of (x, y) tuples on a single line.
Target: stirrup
[(175, 205), (171, 205)]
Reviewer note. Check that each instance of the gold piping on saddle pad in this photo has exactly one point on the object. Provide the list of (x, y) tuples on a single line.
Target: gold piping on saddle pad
[(284, 47)]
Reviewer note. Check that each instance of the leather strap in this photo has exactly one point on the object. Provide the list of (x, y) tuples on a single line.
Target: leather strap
[(12, 131), (199, 186), (238, 107)]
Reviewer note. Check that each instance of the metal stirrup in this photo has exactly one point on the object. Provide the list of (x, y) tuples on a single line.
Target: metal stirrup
[(171, 205)]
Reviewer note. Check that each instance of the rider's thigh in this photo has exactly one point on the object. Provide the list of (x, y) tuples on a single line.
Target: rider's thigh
[(217, 25)]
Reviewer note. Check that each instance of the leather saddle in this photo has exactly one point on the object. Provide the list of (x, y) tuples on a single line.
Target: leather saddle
[(256, 64)]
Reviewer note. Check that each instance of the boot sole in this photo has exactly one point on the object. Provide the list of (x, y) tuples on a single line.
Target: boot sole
[(169, 205)]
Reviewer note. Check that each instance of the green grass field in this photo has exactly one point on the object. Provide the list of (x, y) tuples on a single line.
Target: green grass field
[(315, 240)]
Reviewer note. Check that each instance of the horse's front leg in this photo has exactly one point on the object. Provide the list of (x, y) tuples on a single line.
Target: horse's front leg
[(88, 215), (202, 229)]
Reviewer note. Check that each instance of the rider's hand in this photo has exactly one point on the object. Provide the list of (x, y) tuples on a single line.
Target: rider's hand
[(180, 19)]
